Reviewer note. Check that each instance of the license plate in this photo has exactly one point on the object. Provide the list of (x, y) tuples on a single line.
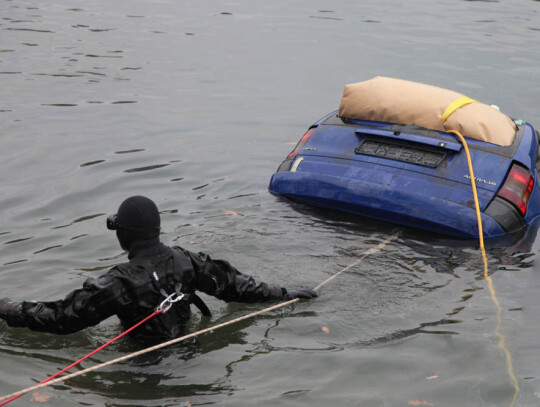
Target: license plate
[(398, 152)]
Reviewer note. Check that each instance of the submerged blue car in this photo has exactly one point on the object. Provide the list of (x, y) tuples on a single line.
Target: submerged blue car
[(414, 176)]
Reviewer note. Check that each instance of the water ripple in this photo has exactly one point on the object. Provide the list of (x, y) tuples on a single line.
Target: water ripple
[(243, 195), (92, 163), (92, 73), (326, 18), (148, 168), (405, 333), (47, 249), (62, 75), (60, 104), (19, 240), (29, 29), (103, 56), (15, 262), (136, 150), (78, 220)]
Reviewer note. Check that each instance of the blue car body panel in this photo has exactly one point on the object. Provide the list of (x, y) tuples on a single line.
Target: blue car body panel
[(331, 172)]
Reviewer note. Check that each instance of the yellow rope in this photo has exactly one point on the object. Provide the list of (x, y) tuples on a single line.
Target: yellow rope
[(487, 277), (192, 335)]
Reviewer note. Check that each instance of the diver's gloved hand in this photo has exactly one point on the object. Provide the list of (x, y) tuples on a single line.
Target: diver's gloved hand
[(9, 309), (303, 293)]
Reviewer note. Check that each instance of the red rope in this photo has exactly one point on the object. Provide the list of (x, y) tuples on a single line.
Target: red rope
[(158, 311)]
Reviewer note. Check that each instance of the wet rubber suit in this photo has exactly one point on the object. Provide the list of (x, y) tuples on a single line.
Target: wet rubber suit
[(133, 290)]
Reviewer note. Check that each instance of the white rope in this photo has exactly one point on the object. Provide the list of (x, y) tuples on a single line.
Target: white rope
[(373, 250)]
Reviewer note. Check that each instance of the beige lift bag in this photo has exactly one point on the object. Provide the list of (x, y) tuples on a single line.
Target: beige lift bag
[(404, 102)]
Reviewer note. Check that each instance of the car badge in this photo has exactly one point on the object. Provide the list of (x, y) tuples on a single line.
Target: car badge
[(492, 183)]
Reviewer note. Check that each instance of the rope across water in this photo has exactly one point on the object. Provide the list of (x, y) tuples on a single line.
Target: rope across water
[(373, 250)]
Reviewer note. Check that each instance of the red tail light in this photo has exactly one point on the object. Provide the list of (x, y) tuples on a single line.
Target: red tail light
[(301, 143), (518, 187)]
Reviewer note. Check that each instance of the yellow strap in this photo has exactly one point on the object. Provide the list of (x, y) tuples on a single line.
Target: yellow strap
[(455, 105)]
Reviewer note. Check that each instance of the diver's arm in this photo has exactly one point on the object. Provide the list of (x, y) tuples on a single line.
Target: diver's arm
[(81, 308), (220, 279)]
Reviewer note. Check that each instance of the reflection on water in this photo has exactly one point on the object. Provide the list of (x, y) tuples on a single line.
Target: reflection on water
[(404, 333)]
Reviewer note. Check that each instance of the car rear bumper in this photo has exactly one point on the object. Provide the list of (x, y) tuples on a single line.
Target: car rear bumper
[(413, 205)]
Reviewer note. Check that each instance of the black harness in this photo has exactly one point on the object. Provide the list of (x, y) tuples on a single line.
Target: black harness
[(180, 274)]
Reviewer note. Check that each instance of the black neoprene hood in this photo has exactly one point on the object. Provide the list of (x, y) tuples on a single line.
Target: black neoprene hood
[(138, 213)]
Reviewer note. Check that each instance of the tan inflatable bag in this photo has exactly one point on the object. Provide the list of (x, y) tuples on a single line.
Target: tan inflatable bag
[(405, 102)]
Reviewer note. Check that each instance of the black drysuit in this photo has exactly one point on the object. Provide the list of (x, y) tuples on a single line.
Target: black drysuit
[(133, 290)]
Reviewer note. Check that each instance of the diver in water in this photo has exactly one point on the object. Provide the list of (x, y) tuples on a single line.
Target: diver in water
[(133, 290)]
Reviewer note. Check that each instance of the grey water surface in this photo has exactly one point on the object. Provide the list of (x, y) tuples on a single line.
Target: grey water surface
[(195, 104)]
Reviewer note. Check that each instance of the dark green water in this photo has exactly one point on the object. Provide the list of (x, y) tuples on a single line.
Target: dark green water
[(194, 104)]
